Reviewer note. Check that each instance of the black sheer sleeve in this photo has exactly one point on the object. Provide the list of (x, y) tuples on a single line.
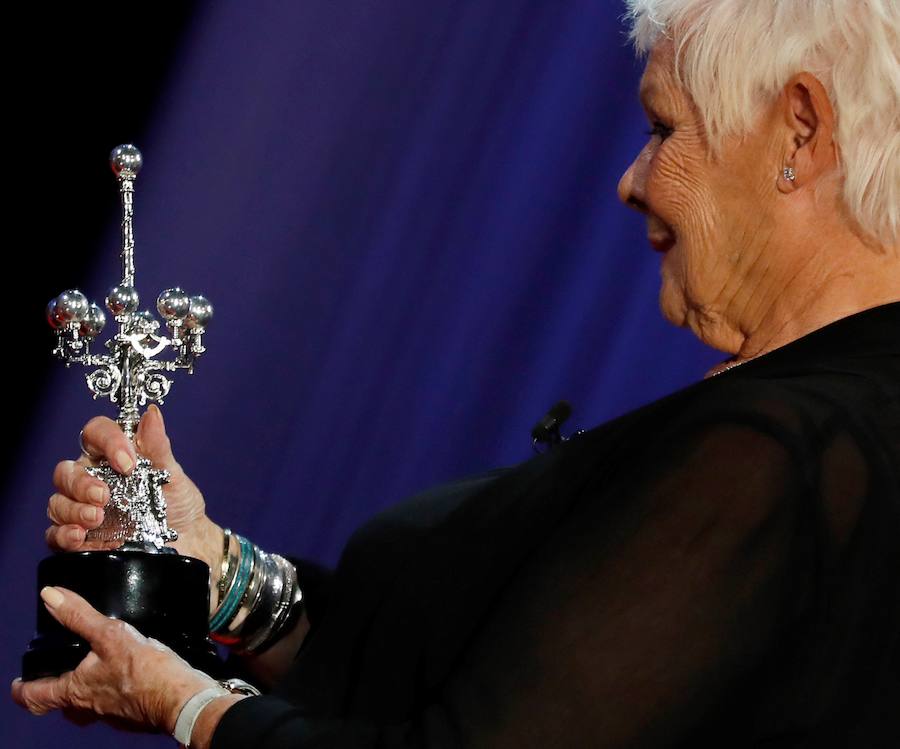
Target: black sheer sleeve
[(647, 608), (315, 582)]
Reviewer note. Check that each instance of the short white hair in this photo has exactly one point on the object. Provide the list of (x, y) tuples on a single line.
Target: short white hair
[(735, 56)]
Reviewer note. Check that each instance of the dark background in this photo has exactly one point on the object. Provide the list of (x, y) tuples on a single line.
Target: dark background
[(82, 79), (404, 213)]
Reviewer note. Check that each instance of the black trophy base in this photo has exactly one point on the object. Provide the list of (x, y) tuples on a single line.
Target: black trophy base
[(165, 596)]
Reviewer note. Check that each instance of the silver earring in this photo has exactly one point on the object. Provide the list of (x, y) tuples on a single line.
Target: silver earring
[(789, 174)]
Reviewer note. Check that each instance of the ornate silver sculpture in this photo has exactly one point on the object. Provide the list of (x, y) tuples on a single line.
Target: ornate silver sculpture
[(130, 375)]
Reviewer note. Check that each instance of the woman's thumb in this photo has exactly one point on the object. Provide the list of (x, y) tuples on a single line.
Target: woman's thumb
[(152, 441)]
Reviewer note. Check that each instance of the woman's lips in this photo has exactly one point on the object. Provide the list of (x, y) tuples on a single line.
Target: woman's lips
[(661, 243)]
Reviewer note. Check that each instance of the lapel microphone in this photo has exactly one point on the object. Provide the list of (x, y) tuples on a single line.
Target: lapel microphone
[(546, 432)]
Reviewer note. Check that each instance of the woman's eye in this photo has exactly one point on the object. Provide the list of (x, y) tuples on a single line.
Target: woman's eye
[(663, 131)]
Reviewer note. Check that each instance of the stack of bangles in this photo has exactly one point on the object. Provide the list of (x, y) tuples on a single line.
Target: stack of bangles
[(258, 597)]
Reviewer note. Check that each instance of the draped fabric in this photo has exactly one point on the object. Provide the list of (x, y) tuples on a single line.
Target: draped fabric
[(405, 216), (718, 568)]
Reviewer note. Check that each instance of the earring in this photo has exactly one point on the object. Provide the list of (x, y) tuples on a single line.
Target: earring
[(789, 174)]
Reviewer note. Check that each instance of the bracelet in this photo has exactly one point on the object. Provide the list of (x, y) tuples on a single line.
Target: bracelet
[(232, 565), (257, 611), (236, 590), (267, 613), (187, 718), (281, 606), (222, 585), (188, 715), (259, 597), (226, 585), (251, 594), (285, 615)]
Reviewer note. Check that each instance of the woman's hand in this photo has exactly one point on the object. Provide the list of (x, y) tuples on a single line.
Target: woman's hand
[(127, 679), (78, 503)]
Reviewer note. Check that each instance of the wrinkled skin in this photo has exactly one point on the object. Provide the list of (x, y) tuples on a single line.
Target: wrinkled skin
[(751, 260), (132, 681)]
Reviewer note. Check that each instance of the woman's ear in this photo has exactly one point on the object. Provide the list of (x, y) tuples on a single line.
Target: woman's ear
[(812, 149)]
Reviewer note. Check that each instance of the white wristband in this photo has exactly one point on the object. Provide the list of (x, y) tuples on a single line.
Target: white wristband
[(191, 711)]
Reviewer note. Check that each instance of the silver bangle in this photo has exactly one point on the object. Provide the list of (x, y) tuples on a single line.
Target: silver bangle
[(251, 595), (265, 625), (279, 589), (290, 603), (268, 594), (233, 569), (226, 569), (271, 595)]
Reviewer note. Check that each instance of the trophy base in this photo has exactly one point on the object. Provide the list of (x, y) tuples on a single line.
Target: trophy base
[(164, 596)]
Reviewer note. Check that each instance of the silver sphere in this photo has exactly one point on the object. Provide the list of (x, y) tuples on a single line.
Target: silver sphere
[(52, 316), (146, 321), (71, 305), (200, 313), (121, 299), (92, 323), (126, 160), (173, 304)]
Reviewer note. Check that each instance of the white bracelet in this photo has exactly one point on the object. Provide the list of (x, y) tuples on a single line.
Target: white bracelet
[(191, 711)]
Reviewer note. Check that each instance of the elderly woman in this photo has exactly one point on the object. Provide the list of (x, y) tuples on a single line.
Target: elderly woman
[(720, 567)]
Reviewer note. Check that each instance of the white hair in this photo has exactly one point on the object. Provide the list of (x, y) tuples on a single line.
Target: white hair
[(735, 56)]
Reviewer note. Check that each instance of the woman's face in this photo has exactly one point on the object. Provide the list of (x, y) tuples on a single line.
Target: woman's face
[(710, 217)]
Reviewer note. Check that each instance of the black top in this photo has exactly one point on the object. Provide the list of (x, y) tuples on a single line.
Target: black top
[(719, 568)]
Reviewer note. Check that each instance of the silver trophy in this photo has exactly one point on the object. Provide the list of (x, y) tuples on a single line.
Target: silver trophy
[(130, 375), (135, 577)]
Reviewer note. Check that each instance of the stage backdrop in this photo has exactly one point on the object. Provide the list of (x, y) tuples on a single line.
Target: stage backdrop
[(405, 215)]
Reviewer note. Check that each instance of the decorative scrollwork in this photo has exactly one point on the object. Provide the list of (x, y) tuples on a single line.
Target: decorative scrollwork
[(154, 387), (105, 381), (140, 343)]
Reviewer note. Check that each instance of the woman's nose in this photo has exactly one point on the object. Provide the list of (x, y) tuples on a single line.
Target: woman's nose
[(631, 185)]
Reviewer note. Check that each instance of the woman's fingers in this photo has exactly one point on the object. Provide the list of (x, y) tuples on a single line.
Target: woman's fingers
[(42, 695), (65, 511), (77, 507), (65, 537), (71, 479), (126, 678), (102, 436)]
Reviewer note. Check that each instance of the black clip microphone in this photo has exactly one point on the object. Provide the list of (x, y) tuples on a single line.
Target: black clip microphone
[(546, 431)]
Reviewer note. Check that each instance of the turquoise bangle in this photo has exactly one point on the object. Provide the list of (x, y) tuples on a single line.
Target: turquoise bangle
[(230, 605)]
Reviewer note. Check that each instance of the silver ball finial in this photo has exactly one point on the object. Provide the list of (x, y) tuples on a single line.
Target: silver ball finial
[(70, 306), (53, 315), (200, 313), (92, 323), (173, 304), (122, 299), (126, 161)]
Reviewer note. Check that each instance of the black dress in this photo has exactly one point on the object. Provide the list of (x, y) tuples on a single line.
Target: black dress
[(719, 568)]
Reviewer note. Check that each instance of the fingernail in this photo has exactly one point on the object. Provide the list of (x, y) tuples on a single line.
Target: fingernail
[(158, 412), (75, 535), (95, 494), (52, 597), (124, 461), (91, 514)]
